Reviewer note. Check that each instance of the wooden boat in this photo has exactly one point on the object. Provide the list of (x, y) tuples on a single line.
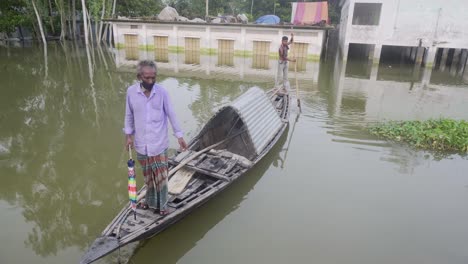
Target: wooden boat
[(231, 143)]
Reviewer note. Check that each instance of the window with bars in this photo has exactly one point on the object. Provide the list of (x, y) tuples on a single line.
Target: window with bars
[(226, 52), (192, 44), (131, 41), (192, 50), (161, 52), (299, 52), (261, 52), (131, 47)]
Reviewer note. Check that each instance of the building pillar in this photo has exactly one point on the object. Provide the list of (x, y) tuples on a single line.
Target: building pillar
[(443, 60), (373, 73), (464, 57), (419, 55), (426, 78), (465, 73), (145, 39), (377, 53), (414, 51), (175, 33), (430, 58), (345, 52), (455, 60)]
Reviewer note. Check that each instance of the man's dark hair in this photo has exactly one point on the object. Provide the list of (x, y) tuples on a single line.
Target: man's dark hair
[(284, 38)]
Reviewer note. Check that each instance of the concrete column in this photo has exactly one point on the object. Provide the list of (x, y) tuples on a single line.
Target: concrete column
[(413, 53), (430, 58), (377, 52), (465, 74), (419, 55), (242, 41), (145, 36), (345, 52), (443, 60), (431, 53), (464, 57), (373, 73), (426, 78), (455, 60), (175, 33)]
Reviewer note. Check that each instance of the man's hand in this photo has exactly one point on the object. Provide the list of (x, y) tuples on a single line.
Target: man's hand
[(128, 142), (182, 144)]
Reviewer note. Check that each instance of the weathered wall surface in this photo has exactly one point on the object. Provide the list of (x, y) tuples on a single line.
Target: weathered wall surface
[(209, 35)]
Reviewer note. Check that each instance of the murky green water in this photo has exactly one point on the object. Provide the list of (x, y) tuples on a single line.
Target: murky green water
[(327, 193)]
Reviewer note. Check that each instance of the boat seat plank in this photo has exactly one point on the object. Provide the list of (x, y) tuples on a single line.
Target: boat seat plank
[(192, 187), (179, 180)]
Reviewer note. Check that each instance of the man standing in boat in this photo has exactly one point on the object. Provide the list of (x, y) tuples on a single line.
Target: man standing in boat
[(148, 108), (283, 61)]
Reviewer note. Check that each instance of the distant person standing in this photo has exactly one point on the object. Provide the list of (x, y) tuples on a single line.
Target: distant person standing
[(283, 61), (148, 109)]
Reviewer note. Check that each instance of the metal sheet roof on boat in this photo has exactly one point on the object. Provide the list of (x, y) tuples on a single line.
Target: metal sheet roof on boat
[(261, 118)]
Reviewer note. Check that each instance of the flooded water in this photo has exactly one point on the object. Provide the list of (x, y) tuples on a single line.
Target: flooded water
[(329, 192)]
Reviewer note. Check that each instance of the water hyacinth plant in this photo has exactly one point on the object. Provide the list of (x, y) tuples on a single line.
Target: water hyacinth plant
[(441, 134)]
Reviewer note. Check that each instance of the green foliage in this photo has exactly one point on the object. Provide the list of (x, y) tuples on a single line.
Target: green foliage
[(139, 8), (441, 134), (13, 13)]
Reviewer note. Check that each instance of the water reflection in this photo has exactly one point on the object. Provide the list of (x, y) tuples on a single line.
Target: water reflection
[(225, 59), (46, 138), (261, 62), (132, 53), (63, 163), (161, 55), (224, 65)]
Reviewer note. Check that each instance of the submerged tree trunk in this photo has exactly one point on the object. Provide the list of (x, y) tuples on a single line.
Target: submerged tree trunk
[(50, 18), (99, 38), (70, 33), (61, 9), (73, 18), (112, 26), (39, 22), (85, 21)]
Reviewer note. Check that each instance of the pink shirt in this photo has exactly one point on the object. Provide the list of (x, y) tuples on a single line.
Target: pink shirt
[(146, 118)]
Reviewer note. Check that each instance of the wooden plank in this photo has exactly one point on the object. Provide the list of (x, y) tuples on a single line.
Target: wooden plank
[(180, 179)]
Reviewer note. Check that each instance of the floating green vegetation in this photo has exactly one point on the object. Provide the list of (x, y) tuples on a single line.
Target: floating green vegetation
[(441, 135)]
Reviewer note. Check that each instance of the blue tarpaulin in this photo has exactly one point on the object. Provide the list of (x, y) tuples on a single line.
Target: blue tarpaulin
[(268, 19)]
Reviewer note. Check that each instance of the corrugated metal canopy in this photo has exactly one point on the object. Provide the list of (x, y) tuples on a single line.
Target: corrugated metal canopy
[(258, 114)]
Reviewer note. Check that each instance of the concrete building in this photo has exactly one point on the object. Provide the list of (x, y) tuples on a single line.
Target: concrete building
[(239, 39), (431, 33)]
